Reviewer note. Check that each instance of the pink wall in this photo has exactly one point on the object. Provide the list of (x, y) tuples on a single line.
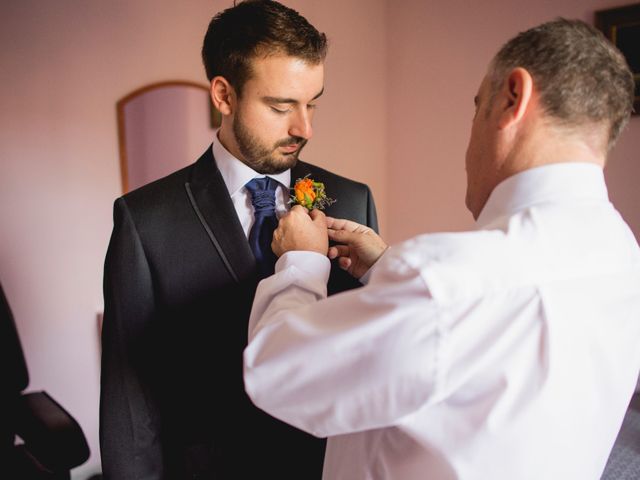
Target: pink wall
[(400, 79), (438, 53), (623, 172)]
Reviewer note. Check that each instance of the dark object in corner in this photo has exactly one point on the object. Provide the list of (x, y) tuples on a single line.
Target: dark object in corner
[(53, 442), (622, 26)]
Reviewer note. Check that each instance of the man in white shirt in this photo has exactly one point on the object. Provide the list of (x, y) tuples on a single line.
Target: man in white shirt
[(509, 352)]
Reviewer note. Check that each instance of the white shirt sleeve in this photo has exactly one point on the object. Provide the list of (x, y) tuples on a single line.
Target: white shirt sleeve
[(355, 361)]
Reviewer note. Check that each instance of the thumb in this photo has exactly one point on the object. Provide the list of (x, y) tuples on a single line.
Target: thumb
[(342, 236), (298, 209), (318, 217)]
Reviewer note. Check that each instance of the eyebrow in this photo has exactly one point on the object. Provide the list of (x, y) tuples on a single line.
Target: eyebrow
[(292, 101)]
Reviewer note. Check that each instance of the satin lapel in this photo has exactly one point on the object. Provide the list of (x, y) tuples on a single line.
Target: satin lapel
[(210, 199)]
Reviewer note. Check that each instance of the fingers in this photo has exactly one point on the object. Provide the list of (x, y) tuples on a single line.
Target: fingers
[(300, 230), (347, 225), (342, 236), (342, 253), (318, 217), (338, 251), (296, 214), (298, 208), (344, 262)]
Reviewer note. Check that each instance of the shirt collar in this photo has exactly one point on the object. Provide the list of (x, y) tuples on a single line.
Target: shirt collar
[(554, 182), (235, 173)]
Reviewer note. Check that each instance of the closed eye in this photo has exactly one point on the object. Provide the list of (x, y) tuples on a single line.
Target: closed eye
[(280, 111)]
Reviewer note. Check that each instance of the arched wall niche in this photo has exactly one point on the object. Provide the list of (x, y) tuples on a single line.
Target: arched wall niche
[(163, 127)]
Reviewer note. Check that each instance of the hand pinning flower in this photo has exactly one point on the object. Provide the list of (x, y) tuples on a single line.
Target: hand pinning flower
[(310, 194)]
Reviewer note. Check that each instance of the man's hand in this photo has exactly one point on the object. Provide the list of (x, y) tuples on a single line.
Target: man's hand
[(300, 229), (361, 247)]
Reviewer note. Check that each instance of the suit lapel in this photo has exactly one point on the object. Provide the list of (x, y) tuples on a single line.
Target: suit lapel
[(210, 199)]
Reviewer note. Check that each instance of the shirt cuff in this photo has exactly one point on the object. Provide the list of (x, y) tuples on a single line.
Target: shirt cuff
[(314, 265)]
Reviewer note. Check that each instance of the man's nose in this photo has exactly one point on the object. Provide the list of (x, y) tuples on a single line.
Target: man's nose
[(301, 124)]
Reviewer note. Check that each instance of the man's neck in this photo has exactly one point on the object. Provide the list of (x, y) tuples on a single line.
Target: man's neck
[(228, 141), (551, 144), (542, 146)]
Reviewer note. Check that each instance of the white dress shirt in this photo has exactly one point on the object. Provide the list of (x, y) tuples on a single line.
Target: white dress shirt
[(510, 352), (236, 175)]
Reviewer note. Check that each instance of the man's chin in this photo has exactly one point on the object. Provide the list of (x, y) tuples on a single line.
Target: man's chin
[(284, 163)]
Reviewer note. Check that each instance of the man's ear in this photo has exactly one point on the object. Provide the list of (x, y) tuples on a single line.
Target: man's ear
[(516, 93), (222, 95)]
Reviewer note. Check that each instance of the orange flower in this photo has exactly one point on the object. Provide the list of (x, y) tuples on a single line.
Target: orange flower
[(310, 194), (305, 194)]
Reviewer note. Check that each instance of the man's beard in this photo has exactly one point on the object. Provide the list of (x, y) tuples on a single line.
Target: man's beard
[(261, 158)]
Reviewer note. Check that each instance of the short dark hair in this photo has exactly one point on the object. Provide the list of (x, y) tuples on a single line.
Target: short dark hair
[(581, 77), (257, 28)]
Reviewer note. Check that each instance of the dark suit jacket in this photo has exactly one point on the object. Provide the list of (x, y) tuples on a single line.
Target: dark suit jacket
[(179, 281)]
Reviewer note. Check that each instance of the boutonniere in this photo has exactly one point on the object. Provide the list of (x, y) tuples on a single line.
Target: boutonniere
[(310, 194)]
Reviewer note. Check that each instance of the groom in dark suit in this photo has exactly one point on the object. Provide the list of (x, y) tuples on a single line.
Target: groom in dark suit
[(180, 274)]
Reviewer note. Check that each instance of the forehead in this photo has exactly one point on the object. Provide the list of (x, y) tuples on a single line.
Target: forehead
[(281, 75)]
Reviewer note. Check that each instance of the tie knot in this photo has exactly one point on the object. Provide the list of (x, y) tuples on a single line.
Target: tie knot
[(263, 194)]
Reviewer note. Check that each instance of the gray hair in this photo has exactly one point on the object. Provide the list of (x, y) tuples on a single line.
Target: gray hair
[(581, 77)]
